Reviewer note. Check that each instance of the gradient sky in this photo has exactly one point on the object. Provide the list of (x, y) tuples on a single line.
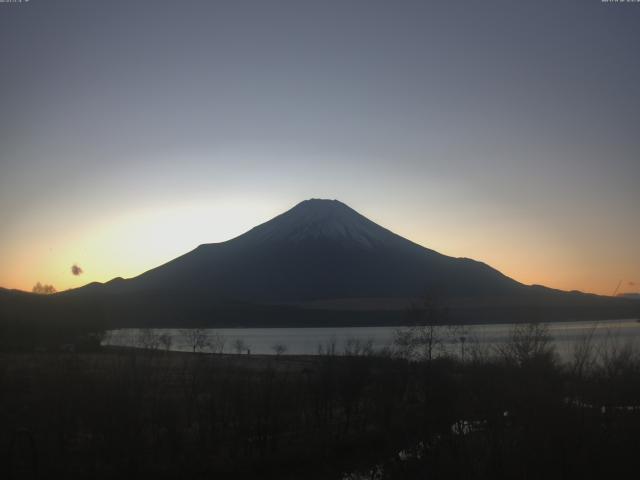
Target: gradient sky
[(505, 131)]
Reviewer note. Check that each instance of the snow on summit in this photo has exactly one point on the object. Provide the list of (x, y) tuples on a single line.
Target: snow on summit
[(323, 219)]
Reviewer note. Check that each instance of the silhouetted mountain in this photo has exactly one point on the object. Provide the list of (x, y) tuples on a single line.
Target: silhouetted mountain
[(323, 263), (630, 295), (320, 249)]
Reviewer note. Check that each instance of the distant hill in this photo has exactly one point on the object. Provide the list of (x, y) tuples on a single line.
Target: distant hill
[(322, 263), (632, 296)]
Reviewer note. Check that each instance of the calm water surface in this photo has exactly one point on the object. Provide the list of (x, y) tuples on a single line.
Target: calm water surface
[(306, 341)]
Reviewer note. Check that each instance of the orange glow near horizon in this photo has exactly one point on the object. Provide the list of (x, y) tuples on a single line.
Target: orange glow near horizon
[(129, 244)]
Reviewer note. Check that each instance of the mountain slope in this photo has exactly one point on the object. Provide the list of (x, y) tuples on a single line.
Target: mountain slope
[(320, 249)]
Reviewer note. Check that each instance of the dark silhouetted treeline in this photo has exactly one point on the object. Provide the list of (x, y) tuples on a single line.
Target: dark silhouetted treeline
[(30, 322), (513, 413)]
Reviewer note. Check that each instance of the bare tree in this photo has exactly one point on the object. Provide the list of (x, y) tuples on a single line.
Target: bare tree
[(356, 347), (458, 337), (528, 342), (239, 345), (165, 340), (425, 335), (617, 357), (279, 348), (584, 357), (329, 348), (196, 338), (147, 339), (477, 351), (404, 342), (217, 342)]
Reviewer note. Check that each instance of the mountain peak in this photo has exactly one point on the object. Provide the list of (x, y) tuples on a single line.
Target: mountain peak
[(322, 206), (316, 219), (320, 203)]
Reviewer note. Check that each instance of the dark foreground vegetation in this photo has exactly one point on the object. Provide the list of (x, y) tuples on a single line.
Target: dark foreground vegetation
[(513, 413)]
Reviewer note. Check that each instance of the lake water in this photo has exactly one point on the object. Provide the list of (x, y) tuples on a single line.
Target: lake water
[(307, 341)]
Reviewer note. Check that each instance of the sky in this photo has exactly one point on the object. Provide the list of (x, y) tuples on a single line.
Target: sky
[(504, 131)]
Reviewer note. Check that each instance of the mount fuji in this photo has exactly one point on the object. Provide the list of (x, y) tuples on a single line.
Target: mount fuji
[(322, 263), (318, 250)]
